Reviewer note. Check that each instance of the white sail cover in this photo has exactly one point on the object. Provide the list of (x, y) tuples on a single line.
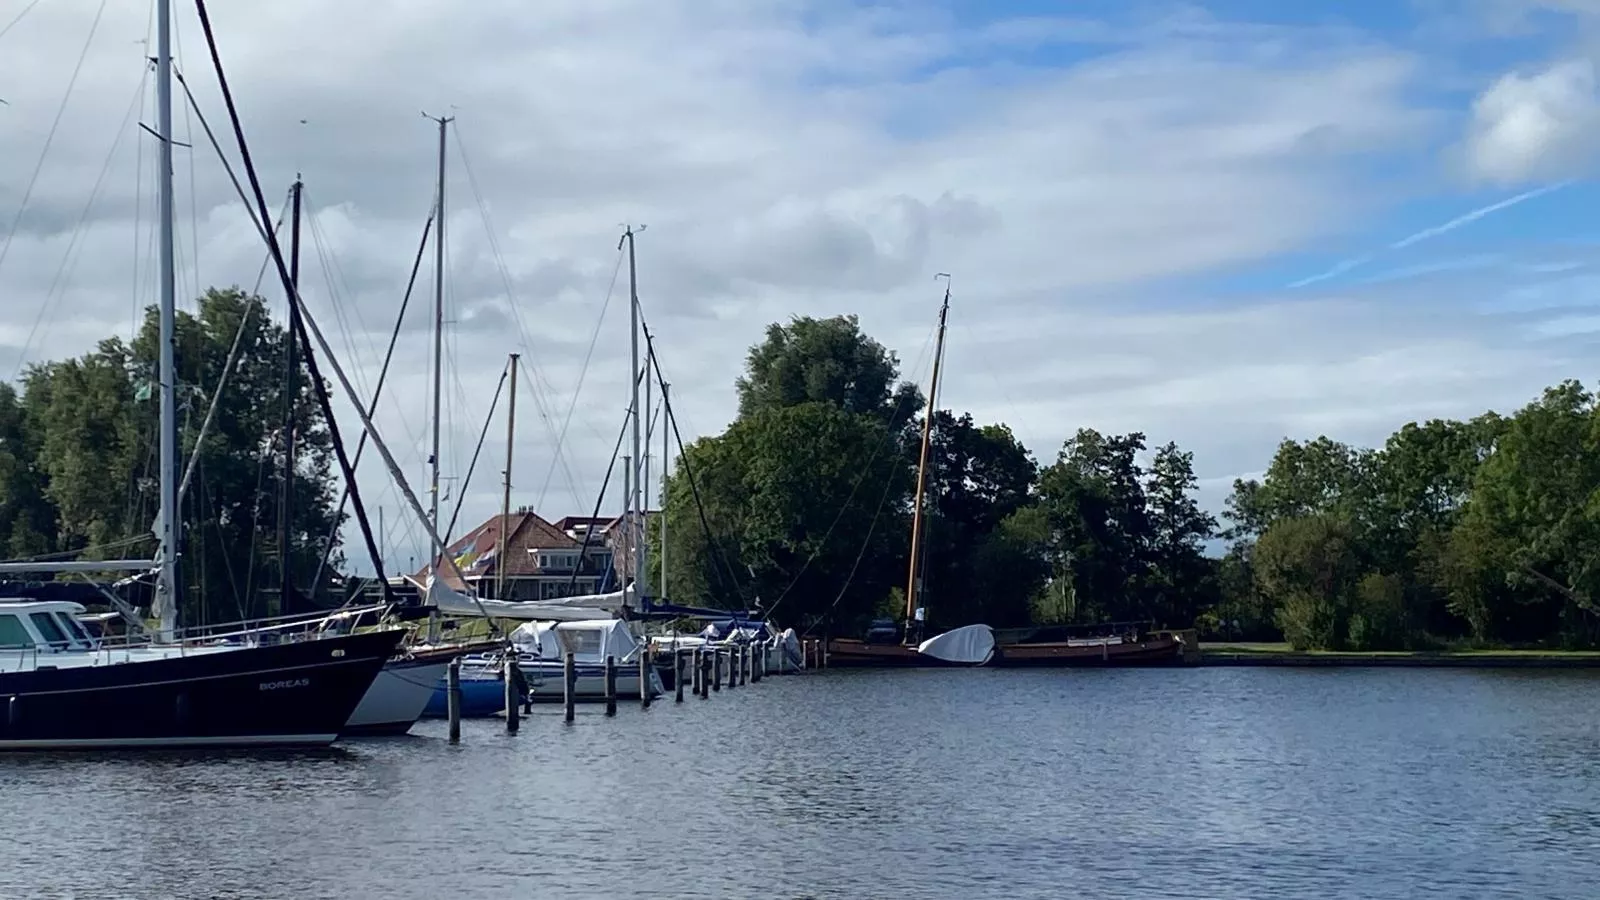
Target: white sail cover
[(590, 641), (971, 645), (452, 602), (611, 602)]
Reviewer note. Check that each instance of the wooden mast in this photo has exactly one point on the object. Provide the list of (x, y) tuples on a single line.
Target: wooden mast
[(913, 579)]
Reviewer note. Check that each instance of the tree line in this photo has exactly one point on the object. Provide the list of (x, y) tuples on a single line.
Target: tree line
[(1485, 532), (1482, 532), (79, 470)]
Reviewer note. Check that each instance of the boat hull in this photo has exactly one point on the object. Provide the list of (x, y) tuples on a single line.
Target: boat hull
[(847, 653), (397, 697), (1163, 650), (288, 695)]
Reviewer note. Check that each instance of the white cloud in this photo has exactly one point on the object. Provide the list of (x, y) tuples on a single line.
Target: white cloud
[(803, 156), (1535, 126)]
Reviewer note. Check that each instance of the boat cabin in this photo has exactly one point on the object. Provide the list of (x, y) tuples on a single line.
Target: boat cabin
[(42, 625)]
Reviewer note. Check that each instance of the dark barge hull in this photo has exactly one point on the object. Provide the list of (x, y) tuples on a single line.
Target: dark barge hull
[(1163, 650), (284, 695), (847, 653)]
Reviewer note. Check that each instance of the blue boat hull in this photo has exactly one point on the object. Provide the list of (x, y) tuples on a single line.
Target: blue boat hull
[(480, 697)]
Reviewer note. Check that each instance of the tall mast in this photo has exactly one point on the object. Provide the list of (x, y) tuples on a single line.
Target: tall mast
[(438, 334), (634, 519), (286, 596), (913, 577), (505, 497), (629, 552), (666, 431), (166, 599)]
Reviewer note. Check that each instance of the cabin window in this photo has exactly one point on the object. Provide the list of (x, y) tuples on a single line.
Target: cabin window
[(52, 633), (76, 631), (579, 643), (13, 633)]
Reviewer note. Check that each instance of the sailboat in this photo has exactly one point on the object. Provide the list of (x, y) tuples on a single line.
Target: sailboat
[(971, 645), (64, 689)]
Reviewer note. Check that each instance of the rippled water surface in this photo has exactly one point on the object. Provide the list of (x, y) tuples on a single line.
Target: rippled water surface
[(938, 784)]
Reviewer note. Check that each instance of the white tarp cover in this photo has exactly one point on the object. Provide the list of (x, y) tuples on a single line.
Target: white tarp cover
[(452, 602), (611, 602), (589, 641), (971, 645), (789, 643)]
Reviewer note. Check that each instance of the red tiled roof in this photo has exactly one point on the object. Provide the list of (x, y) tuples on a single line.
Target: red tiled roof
[(477, 552)]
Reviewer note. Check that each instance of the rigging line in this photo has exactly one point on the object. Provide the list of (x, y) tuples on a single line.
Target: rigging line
[(194, 202), (18, 18), (227, 367), (340, 294), (872, 526), (298, 321), (891, 433), (138, 203), (540, 385), (683, 459), (335, 300), (983, 361), (33, 180), (461, 496), (377, 392), (82, 227), (594, 340), (605, 483)]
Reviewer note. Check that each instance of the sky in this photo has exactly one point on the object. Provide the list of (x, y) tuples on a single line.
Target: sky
[(1221, 224)]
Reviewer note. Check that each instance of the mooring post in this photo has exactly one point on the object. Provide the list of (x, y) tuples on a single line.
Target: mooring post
[(704, 670), (677, 676), (644, 678), (611, 685), (716, 669), (758, 661), (569, 684), (453, 699), (516, 691), (747, 661)]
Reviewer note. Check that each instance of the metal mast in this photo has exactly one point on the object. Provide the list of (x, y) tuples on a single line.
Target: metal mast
[(438, 334), (505, 497), (634, 520), (167, 586), (286, 598)]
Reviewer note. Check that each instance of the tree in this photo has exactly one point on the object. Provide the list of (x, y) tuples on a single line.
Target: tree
[(1308, 567), (25, 516), (771, 489), (89, 430), (1180, 581), (825, 361)]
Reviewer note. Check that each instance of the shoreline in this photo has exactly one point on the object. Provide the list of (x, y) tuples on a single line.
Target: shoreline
[(1278, 655)]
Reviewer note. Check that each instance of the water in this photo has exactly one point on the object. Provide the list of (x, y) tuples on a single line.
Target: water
[(934, 784)]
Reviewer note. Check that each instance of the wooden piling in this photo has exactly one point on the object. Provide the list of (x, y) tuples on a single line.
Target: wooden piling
[(611, 685), (644, 677), (516, 693), (716, 669), (704, 670), (569, 685), (758, 661), (677, 676), (453, 699)]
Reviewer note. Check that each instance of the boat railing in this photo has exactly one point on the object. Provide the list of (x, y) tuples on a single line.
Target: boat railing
[(291, 628)]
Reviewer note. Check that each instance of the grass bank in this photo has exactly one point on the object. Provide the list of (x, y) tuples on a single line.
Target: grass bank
[(1254, 654)]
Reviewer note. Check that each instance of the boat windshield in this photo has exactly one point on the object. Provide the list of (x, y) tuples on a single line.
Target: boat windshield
[(13, 633), (79, 635), (50, 630)]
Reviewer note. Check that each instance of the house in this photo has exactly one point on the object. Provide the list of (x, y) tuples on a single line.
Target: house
[(541, 561), (603, 531)]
